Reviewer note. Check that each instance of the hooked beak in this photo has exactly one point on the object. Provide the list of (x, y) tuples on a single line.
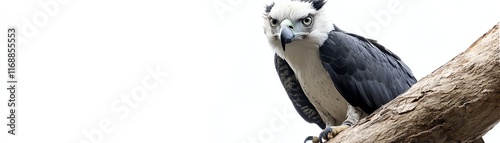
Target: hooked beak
[(286, 33)]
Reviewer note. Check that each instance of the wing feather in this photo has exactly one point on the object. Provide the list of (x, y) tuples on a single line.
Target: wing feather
[(366, 73), (292, 87)]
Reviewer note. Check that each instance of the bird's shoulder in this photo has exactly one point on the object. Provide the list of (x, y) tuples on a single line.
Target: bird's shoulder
[(337, 31), (376, 44)]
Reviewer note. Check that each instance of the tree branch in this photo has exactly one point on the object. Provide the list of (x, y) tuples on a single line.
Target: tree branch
[(458, 102)]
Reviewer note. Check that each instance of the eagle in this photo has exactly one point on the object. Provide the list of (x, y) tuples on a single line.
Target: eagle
[(333, 78)]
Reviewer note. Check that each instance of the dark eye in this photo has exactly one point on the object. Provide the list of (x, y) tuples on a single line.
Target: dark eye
[(307, 21), (273, 22)]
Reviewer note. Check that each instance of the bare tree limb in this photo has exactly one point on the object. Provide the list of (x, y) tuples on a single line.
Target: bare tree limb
[(458, 102)]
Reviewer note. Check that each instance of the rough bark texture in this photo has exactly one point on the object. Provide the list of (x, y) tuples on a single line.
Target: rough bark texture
[(459, 102)]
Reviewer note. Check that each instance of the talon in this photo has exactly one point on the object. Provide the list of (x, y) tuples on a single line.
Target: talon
[(314, 139), (324, 134), (330, 132), (309, 138)]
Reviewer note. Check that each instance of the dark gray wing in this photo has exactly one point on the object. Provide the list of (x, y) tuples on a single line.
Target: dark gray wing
[(365, 73), (296, 94)]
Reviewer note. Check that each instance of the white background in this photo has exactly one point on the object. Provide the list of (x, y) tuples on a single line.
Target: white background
[(82, 57)]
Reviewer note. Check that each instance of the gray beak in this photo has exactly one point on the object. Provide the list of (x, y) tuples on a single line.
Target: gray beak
[(286, 33)]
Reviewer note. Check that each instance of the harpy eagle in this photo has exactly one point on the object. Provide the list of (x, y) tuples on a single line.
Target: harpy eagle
[(332, 77)]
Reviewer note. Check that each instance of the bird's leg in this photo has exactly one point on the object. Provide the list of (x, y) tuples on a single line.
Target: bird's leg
[(328, 133), (353, 116)]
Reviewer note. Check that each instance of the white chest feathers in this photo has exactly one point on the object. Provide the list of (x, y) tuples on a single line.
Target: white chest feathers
[(316, 82)]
